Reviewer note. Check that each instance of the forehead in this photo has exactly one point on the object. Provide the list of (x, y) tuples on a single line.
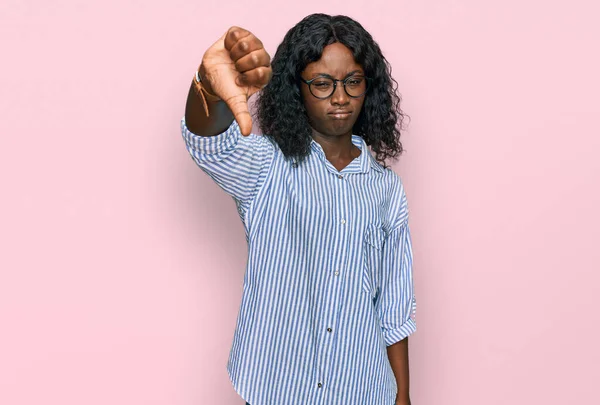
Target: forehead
[(337, 60)]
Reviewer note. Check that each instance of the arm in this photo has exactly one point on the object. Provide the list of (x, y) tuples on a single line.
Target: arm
[(232, 69), (219, 119), (396, 304), (398, 355)]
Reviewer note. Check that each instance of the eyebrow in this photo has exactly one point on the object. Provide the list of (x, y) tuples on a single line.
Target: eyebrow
[(331, 77)]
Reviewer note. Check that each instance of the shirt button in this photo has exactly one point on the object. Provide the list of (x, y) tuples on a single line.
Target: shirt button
[(319, 385), (340, 176), (329, 329), (337, 273), (343, 221)]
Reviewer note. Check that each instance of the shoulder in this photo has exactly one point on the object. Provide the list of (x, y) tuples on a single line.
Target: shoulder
[(397, 201), (392, 179)]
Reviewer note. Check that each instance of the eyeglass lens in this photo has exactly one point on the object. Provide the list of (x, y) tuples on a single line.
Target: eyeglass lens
[(323, 87)]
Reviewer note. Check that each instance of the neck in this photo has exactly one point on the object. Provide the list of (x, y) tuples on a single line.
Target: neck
[(337, 147)]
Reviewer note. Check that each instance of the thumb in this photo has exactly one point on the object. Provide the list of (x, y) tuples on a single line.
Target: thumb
[(238, 105)]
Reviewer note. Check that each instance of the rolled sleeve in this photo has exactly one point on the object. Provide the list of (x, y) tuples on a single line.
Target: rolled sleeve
[(238, 164), (397, 304)]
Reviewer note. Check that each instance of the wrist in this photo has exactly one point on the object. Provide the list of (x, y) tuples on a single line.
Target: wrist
[(203, 88), (402, 401), (206, 95), (202, 77)]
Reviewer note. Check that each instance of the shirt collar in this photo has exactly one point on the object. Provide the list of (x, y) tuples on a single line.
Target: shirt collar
[(362, 164)]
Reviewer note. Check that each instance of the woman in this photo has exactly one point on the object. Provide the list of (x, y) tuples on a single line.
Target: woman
[(328, 300)]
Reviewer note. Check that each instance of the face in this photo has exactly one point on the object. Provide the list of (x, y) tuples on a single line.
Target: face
[(334, 116)]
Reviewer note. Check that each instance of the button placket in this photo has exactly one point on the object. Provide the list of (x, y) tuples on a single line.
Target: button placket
[(329, 337)]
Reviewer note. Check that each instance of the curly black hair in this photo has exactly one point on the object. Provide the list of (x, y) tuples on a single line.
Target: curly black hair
[(279, 106)]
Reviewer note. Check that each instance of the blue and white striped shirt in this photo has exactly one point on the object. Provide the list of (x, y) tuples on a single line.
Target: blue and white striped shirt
[(328, 283)]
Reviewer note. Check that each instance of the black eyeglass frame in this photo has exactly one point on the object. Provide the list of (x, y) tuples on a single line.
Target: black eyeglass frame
[(335, 81)]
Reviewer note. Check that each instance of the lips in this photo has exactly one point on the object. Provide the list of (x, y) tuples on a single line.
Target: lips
[(340, 114)]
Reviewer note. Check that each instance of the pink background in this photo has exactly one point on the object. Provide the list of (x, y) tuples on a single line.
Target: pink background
[(122, 263)]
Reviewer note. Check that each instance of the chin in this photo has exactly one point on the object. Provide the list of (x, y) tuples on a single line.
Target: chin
[(332, 127), (340, 128)]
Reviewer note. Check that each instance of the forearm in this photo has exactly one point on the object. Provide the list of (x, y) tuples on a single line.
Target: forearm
[(218, 120), (398, 356)]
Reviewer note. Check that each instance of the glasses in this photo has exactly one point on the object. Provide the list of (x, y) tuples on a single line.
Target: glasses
[(323, 87)]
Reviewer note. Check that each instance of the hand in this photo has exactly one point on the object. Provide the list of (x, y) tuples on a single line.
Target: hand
[(234, 68)]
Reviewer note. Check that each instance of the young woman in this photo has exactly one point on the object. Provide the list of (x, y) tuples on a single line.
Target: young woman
[(328, 300)]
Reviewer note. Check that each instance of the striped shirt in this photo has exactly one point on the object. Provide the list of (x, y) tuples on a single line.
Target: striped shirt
[(328, 283)]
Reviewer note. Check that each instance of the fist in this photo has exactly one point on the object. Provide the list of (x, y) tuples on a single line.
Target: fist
[(234, 68)]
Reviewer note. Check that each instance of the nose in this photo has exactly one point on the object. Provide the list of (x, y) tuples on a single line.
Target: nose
[(339, 96)]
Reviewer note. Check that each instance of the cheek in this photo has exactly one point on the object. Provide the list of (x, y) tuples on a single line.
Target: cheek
[(315, 110), (357, 104)]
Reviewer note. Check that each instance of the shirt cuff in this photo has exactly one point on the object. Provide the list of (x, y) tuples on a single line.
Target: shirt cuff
[(392, 336), (210, 145)]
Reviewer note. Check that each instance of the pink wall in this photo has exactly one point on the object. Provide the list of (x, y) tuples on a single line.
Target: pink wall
[(121, 264)]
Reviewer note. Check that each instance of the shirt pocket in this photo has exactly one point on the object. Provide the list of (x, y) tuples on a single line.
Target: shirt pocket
[(374, 238)]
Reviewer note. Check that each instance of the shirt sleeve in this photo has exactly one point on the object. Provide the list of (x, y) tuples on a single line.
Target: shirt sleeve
[(396, 304), (238, 164)]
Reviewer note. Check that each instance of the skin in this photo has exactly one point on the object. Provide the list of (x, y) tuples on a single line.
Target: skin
[(333, 131), (398, 355), (233, 68), (237, 66)]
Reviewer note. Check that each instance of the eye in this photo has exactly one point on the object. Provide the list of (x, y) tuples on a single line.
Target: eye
[(354, 81), (320, 84)]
